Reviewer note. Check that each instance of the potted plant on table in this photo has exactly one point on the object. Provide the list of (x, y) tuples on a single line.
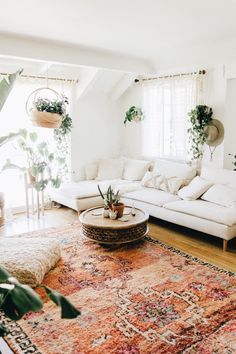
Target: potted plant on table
[(112, 202)]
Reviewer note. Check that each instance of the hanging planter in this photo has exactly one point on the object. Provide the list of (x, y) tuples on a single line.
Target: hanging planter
[(45, 112), (134, 114)]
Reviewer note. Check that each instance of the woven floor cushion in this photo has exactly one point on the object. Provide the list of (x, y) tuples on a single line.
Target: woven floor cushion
[(29, 259)]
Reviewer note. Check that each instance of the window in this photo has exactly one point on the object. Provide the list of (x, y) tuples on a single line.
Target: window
[(166, 103), (14, 117)]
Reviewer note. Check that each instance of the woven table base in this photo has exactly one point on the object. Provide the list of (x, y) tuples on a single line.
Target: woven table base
[(110, 236)]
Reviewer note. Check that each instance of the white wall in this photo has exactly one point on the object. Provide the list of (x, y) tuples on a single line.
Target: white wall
[(230, 123), (96, 130), (131, 132)]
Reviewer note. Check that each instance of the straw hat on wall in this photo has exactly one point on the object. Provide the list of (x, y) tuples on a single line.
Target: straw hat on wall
[(215, 133)]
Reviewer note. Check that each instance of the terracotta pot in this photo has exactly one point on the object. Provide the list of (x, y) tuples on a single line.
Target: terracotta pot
[(45, 119), (119, 208)]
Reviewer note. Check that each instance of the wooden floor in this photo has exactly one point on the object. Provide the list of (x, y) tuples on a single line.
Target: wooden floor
[(205, 247)]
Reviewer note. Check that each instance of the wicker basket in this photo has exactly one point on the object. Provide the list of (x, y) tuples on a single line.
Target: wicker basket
[(45, 119)]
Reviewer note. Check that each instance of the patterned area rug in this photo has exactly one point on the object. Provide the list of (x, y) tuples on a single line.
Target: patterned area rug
[(141, 298)]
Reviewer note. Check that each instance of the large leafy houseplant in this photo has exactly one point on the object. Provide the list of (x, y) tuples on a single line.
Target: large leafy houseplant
[(200, 117), (41, 164), (17, 299), (134, 114)]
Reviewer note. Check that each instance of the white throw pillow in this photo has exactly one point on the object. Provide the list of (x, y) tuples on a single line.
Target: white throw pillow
[(110, 169), (151, 181), (170, 185), (174, 169), (135, 169), (222, 195), (91, 171), (195, 189)]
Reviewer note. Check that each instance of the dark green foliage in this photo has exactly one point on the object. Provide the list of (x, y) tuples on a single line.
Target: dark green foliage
[(51, 106), (133, 114), (200, 117), (17, 299)]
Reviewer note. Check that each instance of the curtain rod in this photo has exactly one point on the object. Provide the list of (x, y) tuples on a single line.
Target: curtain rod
[(44, 77), (200, 72)]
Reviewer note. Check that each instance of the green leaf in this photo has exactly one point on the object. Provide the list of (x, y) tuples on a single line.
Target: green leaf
[(33, 136), (20, 300), (51, 157), (4, 275), (6, 86), (67, 309)]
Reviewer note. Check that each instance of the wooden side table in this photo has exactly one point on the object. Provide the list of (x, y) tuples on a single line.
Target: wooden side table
[(107, 231)]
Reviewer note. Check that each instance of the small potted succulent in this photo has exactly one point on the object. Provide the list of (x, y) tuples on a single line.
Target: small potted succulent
[(112, 202), (48, 113), (134, 114)]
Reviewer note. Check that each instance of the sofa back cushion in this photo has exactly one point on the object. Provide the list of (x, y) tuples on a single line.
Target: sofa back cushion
[(135, 170), (174, 169), (222, 195), (219, 175), (91, 170), (110, 169), (195, 189)]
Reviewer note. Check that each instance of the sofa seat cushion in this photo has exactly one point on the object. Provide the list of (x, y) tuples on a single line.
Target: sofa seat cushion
[(151, 196), (205, 210), (89, 189), (29, 259)]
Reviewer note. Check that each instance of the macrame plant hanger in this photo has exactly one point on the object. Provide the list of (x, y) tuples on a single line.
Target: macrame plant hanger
[(38, 110)]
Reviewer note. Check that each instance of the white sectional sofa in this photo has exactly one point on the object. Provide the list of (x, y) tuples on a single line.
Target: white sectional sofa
[(208, 204)]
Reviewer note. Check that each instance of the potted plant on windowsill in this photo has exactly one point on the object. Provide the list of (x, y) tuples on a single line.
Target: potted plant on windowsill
[(48, 113)]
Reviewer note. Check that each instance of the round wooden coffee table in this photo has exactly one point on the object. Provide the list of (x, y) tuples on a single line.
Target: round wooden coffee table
[(107, 231)]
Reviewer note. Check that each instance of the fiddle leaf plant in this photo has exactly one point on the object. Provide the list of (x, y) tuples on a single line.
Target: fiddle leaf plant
[(200, 117), (41, 164)]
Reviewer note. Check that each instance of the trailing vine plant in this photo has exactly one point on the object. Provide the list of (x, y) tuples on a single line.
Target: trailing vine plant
[(62, 138), (200, 117)]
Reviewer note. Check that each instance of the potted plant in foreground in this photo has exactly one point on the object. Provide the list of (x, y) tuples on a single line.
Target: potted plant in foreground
[(112, 201)]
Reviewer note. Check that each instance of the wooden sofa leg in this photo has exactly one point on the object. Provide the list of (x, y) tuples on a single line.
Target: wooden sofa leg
[(225, 245), (79, 212)]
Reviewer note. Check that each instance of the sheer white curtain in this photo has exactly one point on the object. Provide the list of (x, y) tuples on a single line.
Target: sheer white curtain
[(166, 102), (14, 117)]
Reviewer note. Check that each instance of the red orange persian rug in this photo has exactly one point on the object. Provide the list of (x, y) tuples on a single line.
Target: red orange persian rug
[(141, 298)]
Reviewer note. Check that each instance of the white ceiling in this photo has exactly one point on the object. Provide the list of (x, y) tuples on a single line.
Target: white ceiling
[(164, 33)]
